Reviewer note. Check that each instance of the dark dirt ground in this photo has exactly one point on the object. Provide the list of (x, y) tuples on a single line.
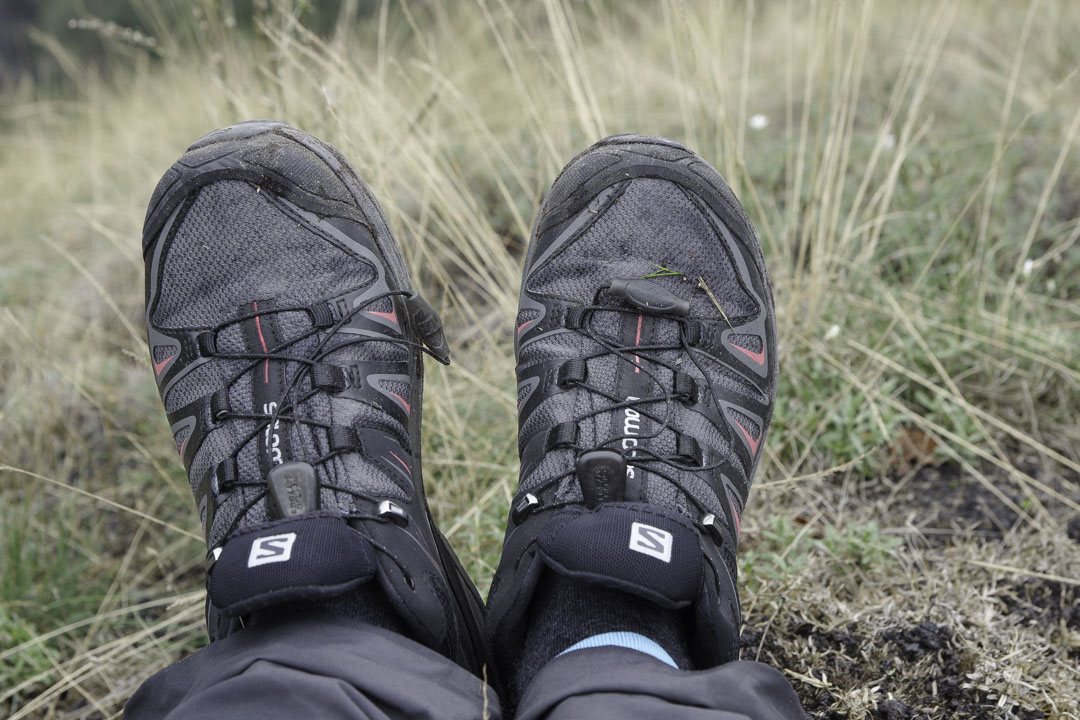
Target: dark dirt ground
[(882, 647)]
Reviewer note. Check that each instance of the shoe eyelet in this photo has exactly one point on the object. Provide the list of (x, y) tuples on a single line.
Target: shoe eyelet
[(685, 388), (572, 373), (219, 405), (523, 507), (688, 450), (560, 436), (575, 317), (342, 439), (390, 510), (227, 475), (712, 525), (206, 343), (328, 377)]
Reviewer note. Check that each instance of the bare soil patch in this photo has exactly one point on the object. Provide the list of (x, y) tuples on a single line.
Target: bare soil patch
[(933, 634)]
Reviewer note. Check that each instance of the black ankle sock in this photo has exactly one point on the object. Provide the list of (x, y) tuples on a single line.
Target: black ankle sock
[(366, 604), (564, 612)]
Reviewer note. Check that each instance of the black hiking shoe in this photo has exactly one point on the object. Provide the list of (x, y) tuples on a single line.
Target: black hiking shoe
[(286, 339), (646, 365)]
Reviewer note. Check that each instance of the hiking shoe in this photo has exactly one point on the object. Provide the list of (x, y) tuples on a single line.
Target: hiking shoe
[(646, 366), (286, 340)]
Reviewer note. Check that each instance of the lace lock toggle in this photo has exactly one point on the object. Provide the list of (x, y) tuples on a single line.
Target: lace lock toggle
[(294, 489), (602, 476), (649, 297)]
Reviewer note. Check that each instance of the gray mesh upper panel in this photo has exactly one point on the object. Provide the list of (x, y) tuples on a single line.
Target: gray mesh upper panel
[(652, 225), (264, 254)]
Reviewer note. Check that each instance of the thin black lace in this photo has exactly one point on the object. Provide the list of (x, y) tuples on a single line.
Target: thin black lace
[(640, 357), (289, 403)]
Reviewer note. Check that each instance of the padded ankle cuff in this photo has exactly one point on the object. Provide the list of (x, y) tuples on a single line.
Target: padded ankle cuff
[(636, 548), (309, 557)]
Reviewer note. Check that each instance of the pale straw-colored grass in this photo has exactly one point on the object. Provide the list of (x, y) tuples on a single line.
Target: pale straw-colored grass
[(912, 172)]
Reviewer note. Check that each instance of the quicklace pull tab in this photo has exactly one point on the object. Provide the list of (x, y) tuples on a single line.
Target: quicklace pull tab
[(602, 476), (428, 324), (649, 297)]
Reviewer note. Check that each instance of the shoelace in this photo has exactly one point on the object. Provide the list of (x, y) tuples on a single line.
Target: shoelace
[(637, 356), (289, 401)]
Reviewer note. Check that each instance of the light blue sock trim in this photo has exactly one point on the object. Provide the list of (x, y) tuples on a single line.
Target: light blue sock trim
[(623, 639)]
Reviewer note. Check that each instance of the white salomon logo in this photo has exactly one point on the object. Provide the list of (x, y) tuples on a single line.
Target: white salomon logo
[(651, 540), (271, 549)]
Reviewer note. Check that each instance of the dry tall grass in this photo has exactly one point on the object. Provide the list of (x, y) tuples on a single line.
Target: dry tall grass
[(912, 173)]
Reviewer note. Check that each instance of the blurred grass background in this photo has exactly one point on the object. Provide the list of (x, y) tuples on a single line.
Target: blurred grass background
[(912, 172)]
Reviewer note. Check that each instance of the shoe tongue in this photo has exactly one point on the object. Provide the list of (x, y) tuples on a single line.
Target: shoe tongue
[(265, 333), (633, 379), (637, 548)]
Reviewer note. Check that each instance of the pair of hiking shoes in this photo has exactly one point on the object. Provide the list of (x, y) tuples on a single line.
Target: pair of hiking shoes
[(288, 341)]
